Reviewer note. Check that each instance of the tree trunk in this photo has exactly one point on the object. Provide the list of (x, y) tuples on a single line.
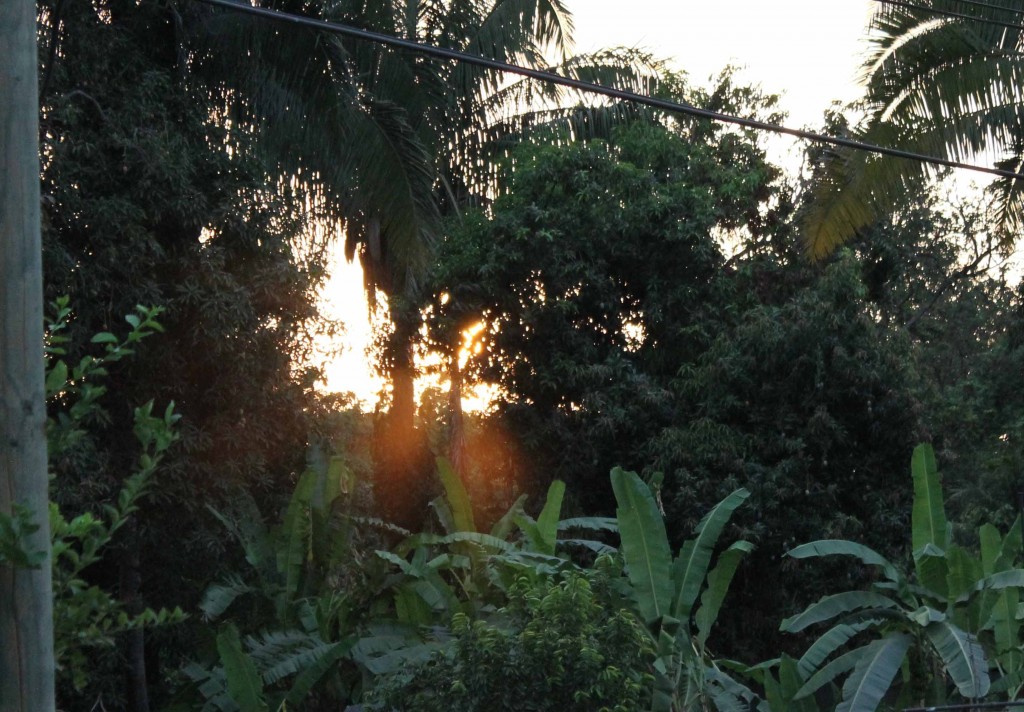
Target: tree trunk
[(456, 427), (135, 649), (26, 595), (402, 463)]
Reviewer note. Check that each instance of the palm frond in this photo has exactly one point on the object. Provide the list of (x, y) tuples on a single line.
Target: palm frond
[(945, 87)]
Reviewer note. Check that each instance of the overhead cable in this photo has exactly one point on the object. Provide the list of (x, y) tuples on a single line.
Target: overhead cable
[(584, 86), (953, 15), (990, 6)]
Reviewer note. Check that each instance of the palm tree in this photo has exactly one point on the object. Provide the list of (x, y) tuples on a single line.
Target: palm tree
[(935, 84), (388, 142)]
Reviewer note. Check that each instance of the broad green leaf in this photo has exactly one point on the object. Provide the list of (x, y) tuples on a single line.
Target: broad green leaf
[(870, 679), (410, 607), (504, 526), (311, 675), (727, 693), (932, 571), (488, 542), (829, 642), (292, 556), (928, 520), (644, 545), (443, 512), (790, 682), (774, 696), (838, 604), (598, 547), (841, 547), (219, 596), (991, 543), (926, 615), (1012, 547), (406, 568), (458, 498), (963, 570), (691, 567), (840, 666), (528, 526), (390, 648), (547, 522), (1002, 620), (594, 524), (244, 683), (337, 479), (718, 585), (1014, 578), (57, 378), (963, 658)]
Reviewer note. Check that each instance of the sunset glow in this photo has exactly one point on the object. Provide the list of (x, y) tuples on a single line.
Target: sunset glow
[(809, 74)]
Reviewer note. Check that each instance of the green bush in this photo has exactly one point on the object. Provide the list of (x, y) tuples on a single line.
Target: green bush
[(558, 645)]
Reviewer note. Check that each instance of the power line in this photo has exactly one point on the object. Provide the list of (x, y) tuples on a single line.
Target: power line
[(990, 6), (584, 86), (953, 15)]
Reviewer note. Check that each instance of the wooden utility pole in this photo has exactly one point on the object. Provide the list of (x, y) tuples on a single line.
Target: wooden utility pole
[(26, 598)]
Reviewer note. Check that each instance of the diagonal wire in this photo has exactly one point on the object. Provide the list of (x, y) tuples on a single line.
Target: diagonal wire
[(953, 15), (583, 86), (990, 6)]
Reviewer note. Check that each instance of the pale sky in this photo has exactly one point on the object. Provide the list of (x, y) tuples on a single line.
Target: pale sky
[(809, 51)]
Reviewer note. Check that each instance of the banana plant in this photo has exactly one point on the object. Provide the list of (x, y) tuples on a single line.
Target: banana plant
[(464, 567), (310, 626), (463, 570), (958, 611), (680, 598)]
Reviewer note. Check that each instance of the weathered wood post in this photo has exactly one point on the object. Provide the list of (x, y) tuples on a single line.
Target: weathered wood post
[(26, 602)]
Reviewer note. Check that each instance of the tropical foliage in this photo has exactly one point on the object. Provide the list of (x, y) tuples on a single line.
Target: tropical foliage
[(559, 644), (939, 81), (956, 614), (631, 289)]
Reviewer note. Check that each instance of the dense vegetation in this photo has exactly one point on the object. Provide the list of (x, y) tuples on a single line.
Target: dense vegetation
[(227, 537)]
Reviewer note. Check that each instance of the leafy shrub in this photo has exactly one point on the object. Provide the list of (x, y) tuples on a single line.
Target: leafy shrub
[(558, 645)]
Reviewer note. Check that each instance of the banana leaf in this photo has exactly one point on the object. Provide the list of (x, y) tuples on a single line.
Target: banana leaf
[(929, 528), (547, 522), (829, 642), (644, 545), (718, 586), (458, 498), (841, 547), (691, 568), (838, 604), (874, 673), (504, 526), (243, 681), (963, 657), (840, 666)]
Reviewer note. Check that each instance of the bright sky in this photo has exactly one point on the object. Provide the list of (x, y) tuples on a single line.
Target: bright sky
[(806, 50)]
